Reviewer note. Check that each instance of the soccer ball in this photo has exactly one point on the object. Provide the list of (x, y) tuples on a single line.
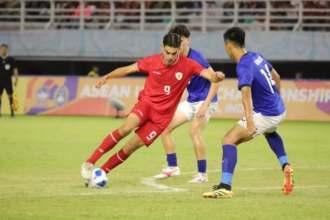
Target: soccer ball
[(99, 179)]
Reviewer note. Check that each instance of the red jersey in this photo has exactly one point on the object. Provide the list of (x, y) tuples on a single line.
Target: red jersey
[(165, 84)]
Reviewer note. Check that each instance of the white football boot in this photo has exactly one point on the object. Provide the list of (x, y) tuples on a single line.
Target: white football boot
[(86, 171), (168, 172), (200, 178)]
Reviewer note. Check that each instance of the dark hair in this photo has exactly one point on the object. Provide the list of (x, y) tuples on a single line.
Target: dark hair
[(235, 35), (172, 40), (181, 30), (4, 45)]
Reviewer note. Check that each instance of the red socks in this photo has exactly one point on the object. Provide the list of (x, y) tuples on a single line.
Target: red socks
[(115, 160), (108, 143)]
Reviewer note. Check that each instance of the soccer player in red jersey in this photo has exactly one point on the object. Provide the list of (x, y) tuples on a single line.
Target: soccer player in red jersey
[(168, 76)]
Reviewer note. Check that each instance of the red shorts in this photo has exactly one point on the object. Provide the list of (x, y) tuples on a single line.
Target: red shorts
[(152, 124)]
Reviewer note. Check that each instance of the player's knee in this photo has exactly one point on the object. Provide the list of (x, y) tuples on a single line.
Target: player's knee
[(272, 134), (228, 139), (165, 135), (168, 130), (131, 146), (129, 149), (194, 131), (125, 130)]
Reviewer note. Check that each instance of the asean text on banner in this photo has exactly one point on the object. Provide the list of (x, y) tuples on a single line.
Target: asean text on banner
[(304, 100)]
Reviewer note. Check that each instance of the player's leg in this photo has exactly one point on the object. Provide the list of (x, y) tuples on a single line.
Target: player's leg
[(108, 143), (182, 115), (264, 125), (1, 91), (132, 145), (167, 137), (131, 122), (238, 134), (146, 134), (138, 116), (9, 90), (276, 144), (11, 105), (196, 128)]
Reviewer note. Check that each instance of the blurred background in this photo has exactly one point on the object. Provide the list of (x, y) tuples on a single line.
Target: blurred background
[(60, 46)]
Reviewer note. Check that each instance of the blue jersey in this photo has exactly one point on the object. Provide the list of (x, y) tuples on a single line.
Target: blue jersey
[(254, 70), (198, 87)]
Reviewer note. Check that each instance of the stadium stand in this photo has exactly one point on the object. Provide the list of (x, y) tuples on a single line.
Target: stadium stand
[(141, 15)]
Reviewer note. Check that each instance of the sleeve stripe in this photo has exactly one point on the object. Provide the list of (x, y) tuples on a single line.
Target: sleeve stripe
[(136, 67), (241, 86), (202, 72)]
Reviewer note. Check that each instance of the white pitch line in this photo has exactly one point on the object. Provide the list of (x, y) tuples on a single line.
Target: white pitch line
[(107, 192), (260, 168), (150, 181)]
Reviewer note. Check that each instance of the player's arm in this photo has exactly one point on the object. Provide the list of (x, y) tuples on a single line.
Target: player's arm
[(214, 77), (122, 71), (276, 77), (277, 80), (214, 86), (245, 78), (119, 72), (197, 69), (248, 109), (247, 102), (213, 90)]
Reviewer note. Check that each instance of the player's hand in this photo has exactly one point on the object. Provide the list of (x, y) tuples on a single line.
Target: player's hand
[(100, 82), (220, 75), (202, 111), (251, 127), (15, 82)]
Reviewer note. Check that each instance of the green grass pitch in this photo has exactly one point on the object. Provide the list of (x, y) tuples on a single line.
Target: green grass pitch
[(40, 158)]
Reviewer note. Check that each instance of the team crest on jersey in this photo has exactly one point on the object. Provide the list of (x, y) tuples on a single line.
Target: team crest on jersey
[(178, 75), (7, 66)]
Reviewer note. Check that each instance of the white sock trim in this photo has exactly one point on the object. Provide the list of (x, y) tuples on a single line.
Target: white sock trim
[(113, 138), (119, 157)]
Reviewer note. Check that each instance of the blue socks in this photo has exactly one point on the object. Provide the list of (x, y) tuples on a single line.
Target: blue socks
[(201, 164), (171, 160), (276, 144), (229, 160)]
